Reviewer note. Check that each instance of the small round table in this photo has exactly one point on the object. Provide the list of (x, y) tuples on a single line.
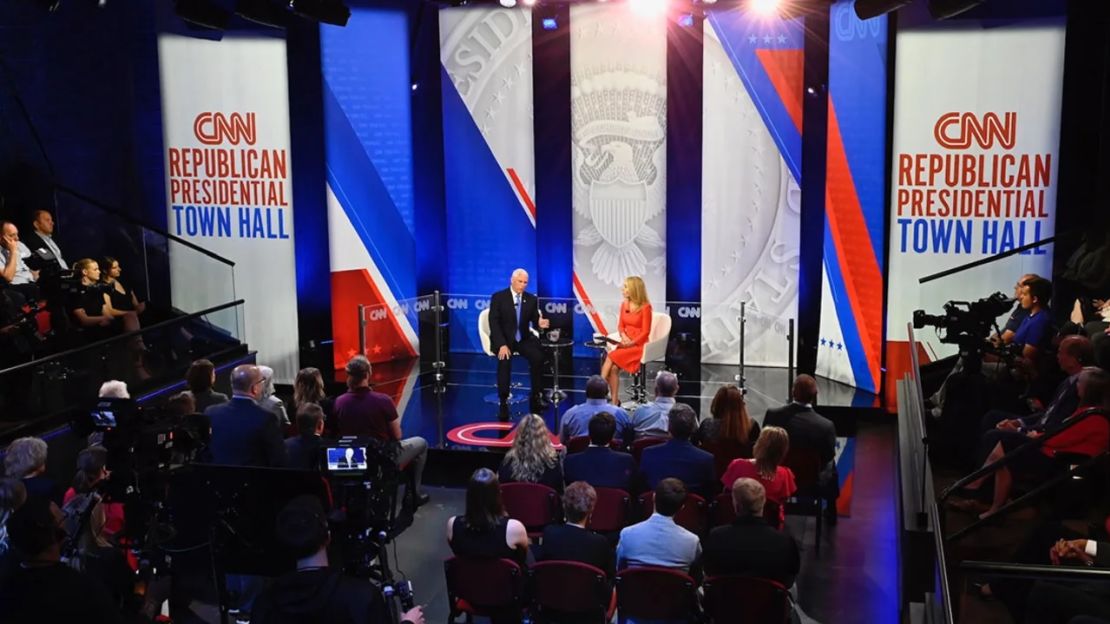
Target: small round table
[(555, 393)]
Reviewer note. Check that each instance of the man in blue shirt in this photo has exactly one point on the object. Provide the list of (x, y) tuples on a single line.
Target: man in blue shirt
[(576, 420), (1032, 333), (658, 541), (651, 419)]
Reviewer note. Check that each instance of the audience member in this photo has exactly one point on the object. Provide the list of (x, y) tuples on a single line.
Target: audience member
[(576, 420), (658, 541), (40, 239), (14, 269), (766, 467), (12, 497), (43, 589), (89, 308), (730, 433), (92, 472), (244, 434), (88, 550), (599, 465), (652, 418), (25, 459), (809, 430), (181, 404), (1017, 315), (308, 387), (485, 530), (315, 591), (113, 389), (365, 413), (200, 378), (749, 546), (1088, 437), (121, 299), (572, 541), (532, 458), (678, 457), (303, 451), (268, 401)]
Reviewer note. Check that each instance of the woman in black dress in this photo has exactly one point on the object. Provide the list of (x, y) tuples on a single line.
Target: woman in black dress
[(485, 530), (121, 301)]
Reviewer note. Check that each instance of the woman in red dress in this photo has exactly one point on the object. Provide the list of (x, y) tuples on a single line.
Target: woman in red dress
[(766, 467), (634, 326)]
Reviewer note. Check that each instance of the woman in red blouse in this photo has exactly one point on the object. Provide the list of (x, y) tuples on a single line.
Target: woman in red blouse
[(1088, 437), (634, 327), (770, 450)]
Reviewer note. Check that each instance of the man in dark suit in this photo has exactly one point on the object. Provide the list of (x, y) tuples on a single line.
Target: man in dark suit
[(749, 546), (809, 430), (45, 253), (303, 451), (678, 458), (599, 465), (573, 541), (511, 312), (244, 434)]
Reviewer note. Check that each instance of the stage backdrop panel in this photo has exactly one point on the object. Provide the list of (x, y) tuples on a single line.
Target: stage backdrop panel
[(371, 229), (489, 160), (751, 154), (976, 135), (225, 110), (618, 65), (852, 293)]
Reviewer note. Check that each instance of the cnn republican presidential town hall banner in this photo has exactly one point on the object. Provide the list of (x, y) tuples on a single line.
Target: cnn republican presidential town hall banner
[(976, 135), (225, 113)]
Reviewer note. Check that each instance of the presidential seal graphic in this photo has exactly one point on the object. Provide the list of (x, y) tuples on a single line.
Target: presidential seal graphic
[(619, 186)]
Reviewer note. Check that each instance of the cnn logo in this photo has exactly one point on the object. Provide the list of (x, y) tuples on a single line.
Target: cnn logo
[(216, 128), (959, 130)]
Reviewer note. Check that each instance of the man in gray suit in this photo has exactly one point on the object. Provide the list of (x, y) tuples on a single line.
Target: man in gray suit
[(810, 430), (658, 541)]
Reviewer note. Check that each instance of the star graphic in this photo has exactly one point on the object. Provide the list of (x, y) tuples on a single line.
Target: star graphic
[(507, 82), (499, 97), (351, 353), (752, 39), (823, 341), (839, 346), (767, 38), (735, 255), (782, 38), (377, 349)]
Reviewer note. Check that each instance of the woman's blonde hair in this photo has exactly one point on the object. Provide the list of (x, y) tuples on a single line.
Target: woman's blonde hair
[(637, 292), (770, 449), (532, 453)]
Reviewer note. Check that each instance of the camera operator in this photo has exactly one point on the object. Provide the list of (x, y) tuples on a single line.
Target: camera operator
[(316, 592), (1019, 314)]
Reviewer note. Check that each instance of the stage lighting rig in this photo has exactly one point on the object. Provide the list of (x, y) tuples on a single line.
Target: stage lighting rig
[(326, 11), (866, 9)]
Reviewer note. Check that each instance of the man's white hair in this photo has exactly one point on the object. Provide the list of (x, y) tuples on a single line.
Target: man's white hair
[(113, 389), (517, 272)]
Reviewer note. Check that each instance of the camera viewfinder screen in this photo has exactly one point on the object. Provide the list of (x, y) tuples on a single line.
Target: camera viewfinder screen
[(104, 418), (348, 459)]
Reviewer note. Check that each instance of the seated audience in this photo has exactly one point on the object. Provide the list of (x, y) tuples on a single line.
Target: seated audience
[(91, 553), (244, 434), (12, 497), (88, 308), (658, 541), (678, 457), (532, 458), (572, 541), (40, 239), (25, 459), (268, 401), (308, 387), (576, 420), (13, 263), (365, 413), (181, 404), (315, 591), (749, 546), (43, 589), (599, 465), (730, 433), (652, 419), (303, 451), (766, 467), (121, 300), (1017, 315), (809, 430), (200, 378), (1089, 437), (92, 473), (485, 530), (113, 389)]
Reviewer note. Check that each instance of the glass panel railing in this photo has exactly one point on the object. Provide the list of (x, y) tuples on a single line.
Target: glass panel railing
[(144, 359), (393, 332)]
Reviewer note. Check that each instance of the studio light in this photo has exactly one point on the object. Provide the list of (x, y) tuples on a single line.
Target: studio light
[(944, 9), (202, 13), (550, 23), (866, 9), (686, 20), (648, 8), (508, 4), (764, 8), (265, 12), (326, 11), (529, 3)]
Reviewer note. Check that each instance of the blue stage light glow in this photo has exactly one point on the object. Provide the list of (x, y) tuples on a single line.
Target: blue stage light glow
[(550, 23), (686, 20)]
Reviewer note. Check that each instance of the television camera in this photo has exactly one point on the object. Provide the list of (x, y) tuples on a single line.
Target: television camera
[(967, 324)]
